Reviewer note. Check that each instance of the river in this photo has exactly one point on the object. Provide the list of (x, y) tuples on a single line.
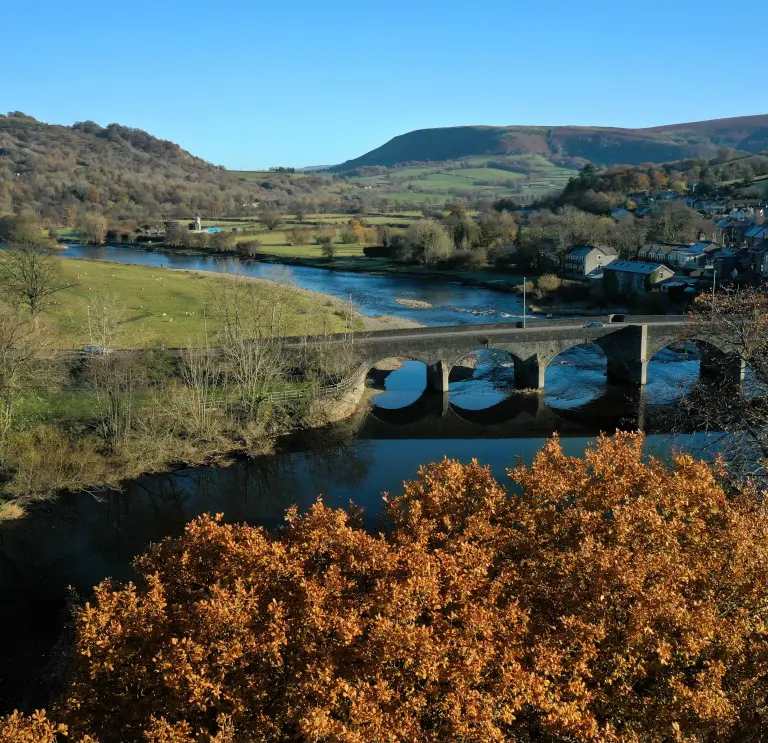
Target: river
[(79, 539), (452, 303)]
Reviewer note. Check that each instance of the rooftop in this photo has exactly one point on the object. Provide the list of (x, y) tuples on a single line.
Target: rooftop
[(633, 267)]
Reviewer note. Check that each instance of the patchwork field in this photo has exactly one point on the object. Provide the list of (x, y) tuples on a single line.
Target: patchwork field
[(524, 176)]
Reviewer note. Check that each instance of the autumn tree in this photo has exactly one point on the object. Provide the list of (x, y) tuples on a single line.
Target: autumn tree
[(677, 223), (299, 235), (609, 599), (70, 216), (627, 236), (327, 248), (495, 228), (460, 226)]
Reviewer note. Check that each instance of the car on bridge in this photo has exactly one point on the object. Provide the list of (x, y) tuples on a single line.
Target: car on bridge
[(595, 325)]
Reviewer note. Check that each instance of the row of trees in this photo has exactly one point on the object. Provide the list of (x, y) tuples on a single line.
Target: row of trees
[(454, 236), (535, 241)]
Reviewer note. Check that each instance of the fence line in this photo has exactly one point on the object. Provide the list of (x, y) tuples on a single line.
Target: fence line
[(325, 390)]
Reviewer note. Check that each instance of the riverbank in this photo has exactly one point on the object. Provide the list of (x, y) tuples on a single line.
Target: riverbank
[(180, 307), (99, 423)]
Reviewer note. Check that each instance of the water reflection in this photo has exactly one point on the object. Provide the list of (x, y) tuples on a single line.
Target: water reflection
[(80, 539), (402, 382)]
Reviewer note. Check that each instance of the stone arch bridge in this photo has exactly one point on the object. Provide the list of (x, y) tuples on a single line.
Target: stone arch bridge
[(628, 346)]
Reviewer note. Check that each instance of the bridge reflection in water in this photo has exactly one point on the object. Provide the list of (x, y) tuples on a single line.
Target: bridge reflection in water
[(483, 401)]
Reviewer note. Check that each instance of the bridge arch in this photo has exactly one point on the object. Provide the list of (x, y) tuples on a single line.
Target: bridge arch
[(692, 359), (576, 376), (401, 381), (485, 376)]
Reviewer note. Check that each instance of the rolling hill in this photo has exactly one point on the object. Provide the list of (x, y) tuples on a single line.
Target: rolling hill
[(601, 145), (126, 174)]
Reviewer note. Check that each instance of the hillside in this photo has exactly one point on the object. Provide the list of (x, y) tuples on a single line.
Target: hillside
[(124, 173), (601, 145)]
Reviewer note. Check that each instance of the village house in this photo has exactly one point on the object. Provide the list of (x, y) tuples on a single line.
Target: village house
[(692, 256), (726, 261), (755, 234), (585, 260), (657, 252), (757, 257), (633, 277), (705, 205)]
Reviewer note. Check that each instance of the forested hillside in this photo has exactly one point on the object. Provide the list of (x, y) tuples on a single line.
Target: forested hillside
[(601, 145), (124, 174)]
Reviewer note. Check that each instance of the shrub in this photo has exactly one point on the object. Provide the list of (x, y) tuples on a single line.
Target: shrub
[(249, 248), (324, 234), (467, 260), (548, 283), (223, 242)]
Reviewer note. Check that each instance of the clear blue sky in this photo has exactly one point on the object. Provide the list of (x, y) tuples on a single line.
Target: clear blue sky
[(256, 84)]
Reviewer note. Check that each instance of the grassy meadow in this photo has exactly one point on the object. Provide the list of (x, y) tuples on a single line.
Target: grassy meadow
[(171, 307)]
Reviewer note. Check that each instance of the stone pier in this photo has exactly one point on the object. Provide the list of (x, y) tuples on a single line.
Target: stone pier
[(437, 376)]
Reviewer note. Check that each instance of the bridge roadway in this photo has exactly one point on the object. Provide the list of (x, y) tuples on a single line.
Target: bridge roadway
[(628, 346)]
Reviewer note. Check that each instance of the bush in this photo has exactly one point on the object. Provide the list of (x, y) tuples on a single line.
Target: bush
[(223, 242), (502, 255), (466, 260), (548, 283), (249, 248), (323, 234), (299, 235)]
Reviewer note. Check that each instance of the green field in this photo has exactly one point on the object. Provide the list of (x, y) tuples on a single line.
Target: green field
[(450, 180), (156, 303)]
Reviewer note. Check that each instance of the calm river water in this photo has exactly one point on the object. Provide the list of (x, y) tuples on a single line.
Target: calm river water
[(79, 539)]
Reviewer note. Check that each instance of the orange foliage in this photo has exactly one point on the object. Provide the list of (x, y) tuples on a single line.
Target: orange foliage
[(610, 599)]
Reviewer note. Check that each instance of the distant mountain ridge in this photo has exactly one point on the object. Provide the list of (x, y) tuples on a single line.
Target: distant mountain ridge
[(602, 145)]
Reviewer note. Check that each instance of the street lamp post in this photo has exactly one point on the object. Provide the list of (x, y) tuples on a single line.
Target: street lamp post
[(524, 302)]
